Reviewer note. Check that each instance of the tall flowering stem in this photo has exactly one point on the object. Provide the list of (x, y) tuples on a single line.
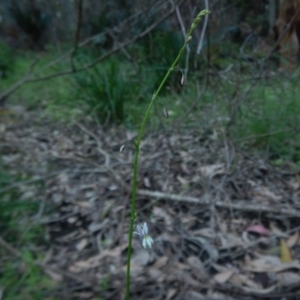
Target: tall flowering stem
[(138, 142)]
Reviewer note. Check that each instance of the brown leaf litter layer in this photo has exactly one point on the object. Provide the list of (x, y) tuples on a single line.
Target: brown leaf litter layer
[(225, 223)]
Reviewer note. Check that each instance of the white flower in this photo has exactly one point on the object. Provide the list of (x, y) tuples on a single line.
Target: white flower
[(142, 231)]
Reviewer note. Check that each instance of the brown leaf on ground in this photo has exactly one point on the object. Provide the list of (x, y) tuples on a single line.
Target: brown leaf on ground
[(223, 277), (293, 240), (198, 213)]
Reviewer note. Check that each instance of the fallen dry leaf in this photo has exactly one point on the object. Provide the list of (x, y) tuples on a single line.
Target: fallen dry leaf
[(193, 295), (245, 280), (260, 291), (185, 169), (142, 258), (288, 279), (285, 253), (156, 274), (171, 293), (53, 275), (182, 180), (87, 194), (293, 239), (287, 266), (197, 268), (212, 170), (160, 213), (206, 245), (260, 229), (266, 263), (263, 193), (135, 269), (276, 230), (161, 262), (223, 277), (82, 244)]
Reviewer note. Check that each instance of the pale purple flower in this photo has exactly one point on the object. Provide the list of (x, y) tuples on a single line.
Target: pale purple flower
[(142, 231)]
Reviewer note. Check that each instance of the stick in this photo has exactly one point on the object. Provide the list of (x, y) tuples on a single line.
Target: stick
[(242, 205)]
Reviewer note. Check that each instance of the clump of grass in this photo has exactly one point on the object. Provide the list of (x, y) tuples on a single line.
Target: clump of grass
[(103, 91)]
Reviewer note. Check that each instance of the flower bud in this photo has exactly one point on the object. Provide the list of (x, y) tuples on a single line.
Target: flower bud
[(182, 81)]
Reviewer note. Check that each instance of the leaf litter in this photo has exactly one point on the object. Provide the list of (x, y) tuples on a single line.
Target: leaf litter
[(217, 224)]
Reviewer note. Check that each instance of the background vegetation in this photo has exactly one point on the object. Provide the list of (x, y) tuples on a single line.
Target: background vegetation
[(232, 89)]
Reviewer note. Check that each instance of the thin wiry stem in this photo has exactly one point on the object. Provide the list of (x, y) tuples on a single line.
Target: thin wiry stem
[(138, 142), (200, 44)]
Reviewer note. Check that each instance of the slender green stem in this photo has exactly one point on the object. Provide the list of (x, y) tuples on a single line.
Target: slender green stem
[(138, 142)]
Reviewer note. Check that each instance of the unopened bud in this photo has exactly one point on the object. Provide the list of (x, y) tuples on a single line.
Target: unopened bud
[(182, 81)]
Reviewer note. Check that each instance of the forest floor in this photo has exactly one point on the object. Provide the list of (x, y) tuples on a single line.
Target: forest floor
[(225, 222)]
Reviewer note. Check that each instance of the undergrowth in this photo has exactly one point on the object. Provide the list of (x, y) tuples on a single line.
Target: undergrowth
[(269, 120), (20, 276), (116, 91)]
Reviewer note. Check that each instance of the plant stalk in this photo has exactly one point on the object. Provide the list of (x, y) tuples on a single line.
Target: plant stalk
[(138, 142)]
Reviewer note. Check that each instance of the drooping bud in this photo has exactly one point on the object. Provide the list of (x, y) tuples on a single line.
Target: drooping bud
[(122, 147), (182, 81)]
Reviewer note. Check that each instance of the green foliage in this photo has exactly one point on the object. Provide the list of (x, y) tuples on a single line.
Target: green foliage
[(157, 50), (271, 118), (12, 210), (103, 89), (23, 279), (113, 90), (20, 277)]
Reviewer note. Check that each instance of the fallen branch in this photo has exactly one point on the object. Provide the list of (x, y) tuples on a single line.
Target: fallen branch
[(242, 205)]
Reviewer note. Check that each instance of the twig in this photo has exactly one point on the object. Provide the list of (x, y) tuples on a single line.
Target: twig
[(8, 247), (242, 205), (188, 49), (78, 27), (262, 135), (20, 82), (200, 44)]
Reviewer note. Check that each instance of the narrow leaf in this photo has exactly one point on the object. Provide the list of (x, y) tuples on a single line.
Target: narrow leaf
[(285, 252)]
